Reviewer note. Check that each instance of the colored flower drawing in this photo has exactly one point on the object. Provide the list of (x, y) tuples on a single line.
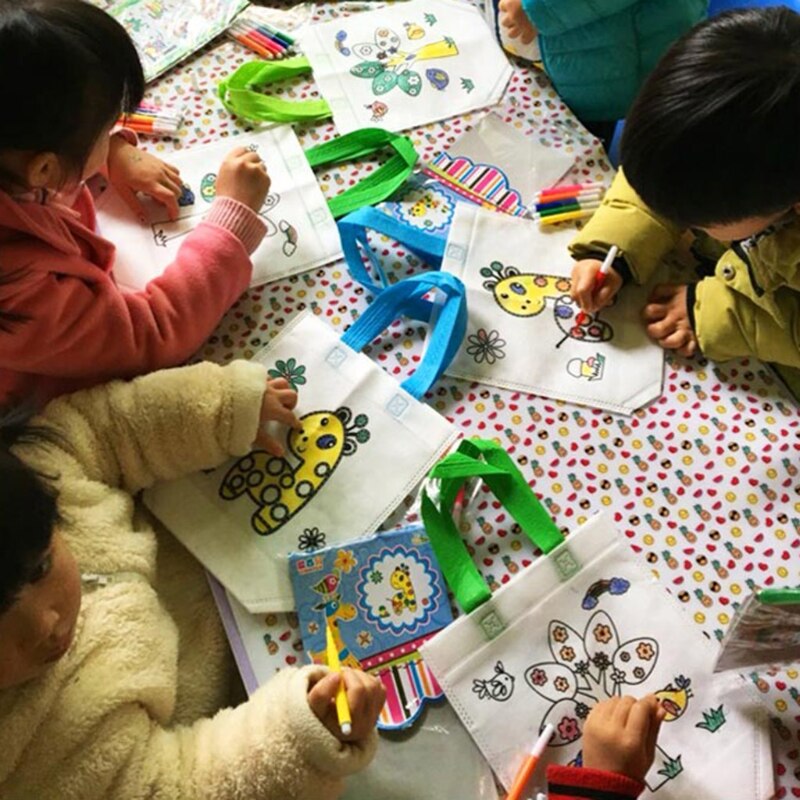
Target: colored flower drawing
[(311, 539), (486, 346), (345, 560), (538, 677), (293, 372), (567, 653), (586, 668), (568, 729), (602, 633), (645, 651), (364, 638)]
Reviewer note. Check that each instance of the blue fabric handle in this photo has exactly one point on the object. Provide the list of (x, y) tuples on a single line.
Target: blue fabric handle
[(353, 232), (447, 328)]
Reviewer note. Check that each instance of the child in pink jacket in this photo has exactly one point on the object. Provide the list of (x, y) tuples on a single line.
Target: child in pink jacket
[(67, 70)]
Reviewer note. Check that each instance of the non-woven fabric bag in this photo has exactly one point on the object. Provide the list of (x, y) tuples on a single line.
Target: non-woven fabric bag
[(301, 231), (405, 65), (526, 334), (365, 442), (586, 621)]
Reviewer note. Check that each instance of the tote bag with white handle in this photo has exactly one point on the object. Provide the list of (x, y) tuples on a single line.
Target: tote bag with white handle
[(583, 623), (366, 442)]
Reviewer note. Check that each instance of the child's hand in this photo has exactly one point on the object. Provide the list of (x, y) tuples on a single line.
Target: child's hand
[(515, 20), (276, 406), (243, 177), (667, 319), (365, 697), (584, 276), (132, 170), (620, 735)]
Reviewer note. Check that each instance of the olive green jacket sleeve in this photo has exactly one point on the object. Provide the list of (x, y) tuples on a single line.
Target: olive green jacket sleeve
[(623, 219), (751, 305)]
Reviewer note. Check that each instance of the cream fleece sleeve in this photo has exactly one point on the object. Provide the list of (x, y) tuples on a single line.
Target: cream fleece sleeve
[(270, 748), (160, 426)]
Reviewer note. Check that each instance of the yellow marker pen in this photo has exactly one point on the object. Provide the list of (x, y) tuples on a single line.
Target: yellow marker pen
[(332, 657)]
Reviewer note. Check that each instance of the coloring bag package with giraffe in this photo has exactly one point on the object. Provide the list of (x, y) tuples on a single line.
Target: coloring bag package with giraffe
[(524, 331), (365, 443), (382, 596), (586, 621)]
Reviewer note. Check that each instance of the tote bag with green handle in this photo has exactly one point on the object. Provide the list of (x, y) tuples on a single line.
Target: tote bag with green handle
[(238, 93), (583, 623)]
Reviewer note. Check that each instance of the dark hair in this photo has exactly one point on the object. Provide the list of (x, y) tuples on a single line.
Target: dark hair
[(67, 69), (714, 135), (28, 503)]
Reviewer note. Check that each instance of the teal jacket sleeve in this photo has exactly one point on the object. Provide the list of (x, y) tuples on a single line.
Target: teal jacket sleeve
[(553, 17)]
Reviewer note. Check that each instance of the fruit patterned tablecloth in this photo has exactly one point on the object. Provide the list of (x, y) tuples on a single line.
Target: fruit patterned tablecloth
[(704, 482)]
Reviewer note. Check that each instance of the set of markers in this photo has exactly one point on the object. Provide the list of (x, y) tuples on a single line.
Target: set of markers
[(261, 37), (152, 120), (566, 203)]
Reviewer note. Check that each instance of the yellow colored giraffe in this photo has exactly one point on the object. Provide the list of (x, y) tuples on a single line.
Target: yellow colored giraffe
[(335, 610), (406, 597), (280, 487), (523, 294)]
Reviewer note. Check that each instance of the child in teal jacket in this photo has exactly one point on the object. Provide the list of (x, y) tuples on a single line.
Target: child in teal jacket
[(598, 52)]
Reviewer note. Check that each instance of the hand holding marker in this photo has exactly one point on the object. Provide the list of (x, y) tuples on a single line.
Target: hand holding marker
[(529, 765), (599, 278), (332, 657)]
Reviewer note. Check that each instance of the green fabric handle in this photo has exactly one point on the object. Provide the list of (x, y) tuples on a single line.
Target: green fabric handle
[(378, 185), (487, 460), (238, 95)]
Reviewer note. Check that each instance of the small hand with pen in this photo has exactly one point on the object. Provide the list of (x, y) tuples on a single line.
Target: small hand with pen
[(584, 290), (620, 735), (277, 405), (365, 697), (132, 170)]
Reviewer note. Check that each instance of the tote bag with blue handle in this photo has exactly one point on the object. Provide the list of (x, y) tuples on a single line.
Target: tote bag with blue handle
[(366, 442), (584, 622)]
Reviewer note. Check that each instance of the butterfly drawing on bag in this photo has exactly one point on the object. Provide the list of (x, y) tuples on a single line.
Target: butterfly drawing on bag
[(387, 65)]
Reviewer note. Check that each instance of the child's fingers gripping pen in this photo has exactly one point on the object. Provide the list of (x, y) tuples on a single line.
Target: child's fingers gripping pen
[(599, 278), (332, 657)]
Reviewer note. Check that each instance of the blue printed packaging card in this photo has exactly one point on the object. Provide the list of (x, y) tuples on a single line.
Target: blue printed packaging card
[(383, 597)]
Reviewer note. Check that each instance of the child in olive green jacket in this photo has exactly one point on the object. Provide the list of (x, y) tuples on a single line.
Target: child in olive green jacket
[(711, 144)]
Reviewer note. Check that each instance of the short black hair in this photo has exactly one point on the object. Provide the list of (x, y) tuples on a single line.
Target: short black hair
[(29, 506), (67, 69), (714, 135)]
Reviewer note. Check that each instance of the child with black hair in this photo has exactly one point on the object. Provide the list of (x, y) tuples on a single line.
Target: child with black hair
[(67, 70), (711, 144), (113, 662)]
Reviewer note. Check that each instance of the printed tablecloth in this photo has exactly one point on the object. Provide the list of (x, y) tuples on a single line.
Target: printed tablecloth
[(704, 482)]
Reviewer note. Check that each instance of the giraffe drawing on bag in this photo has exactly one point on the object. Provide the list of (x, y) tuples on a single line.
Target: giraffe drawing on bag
[(331, 603), (525, 294), (282, 486)]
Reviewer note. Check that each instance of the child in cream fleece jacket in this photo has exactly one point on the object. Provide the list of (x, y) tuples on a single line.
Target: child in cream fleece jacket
[(113, 665)]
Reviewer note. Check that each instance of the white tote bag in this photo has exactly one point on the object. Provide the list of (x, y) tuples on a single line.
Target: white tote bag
[(407, 64), (301, 232), (583, 623), (366, 442), (524, 332)]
